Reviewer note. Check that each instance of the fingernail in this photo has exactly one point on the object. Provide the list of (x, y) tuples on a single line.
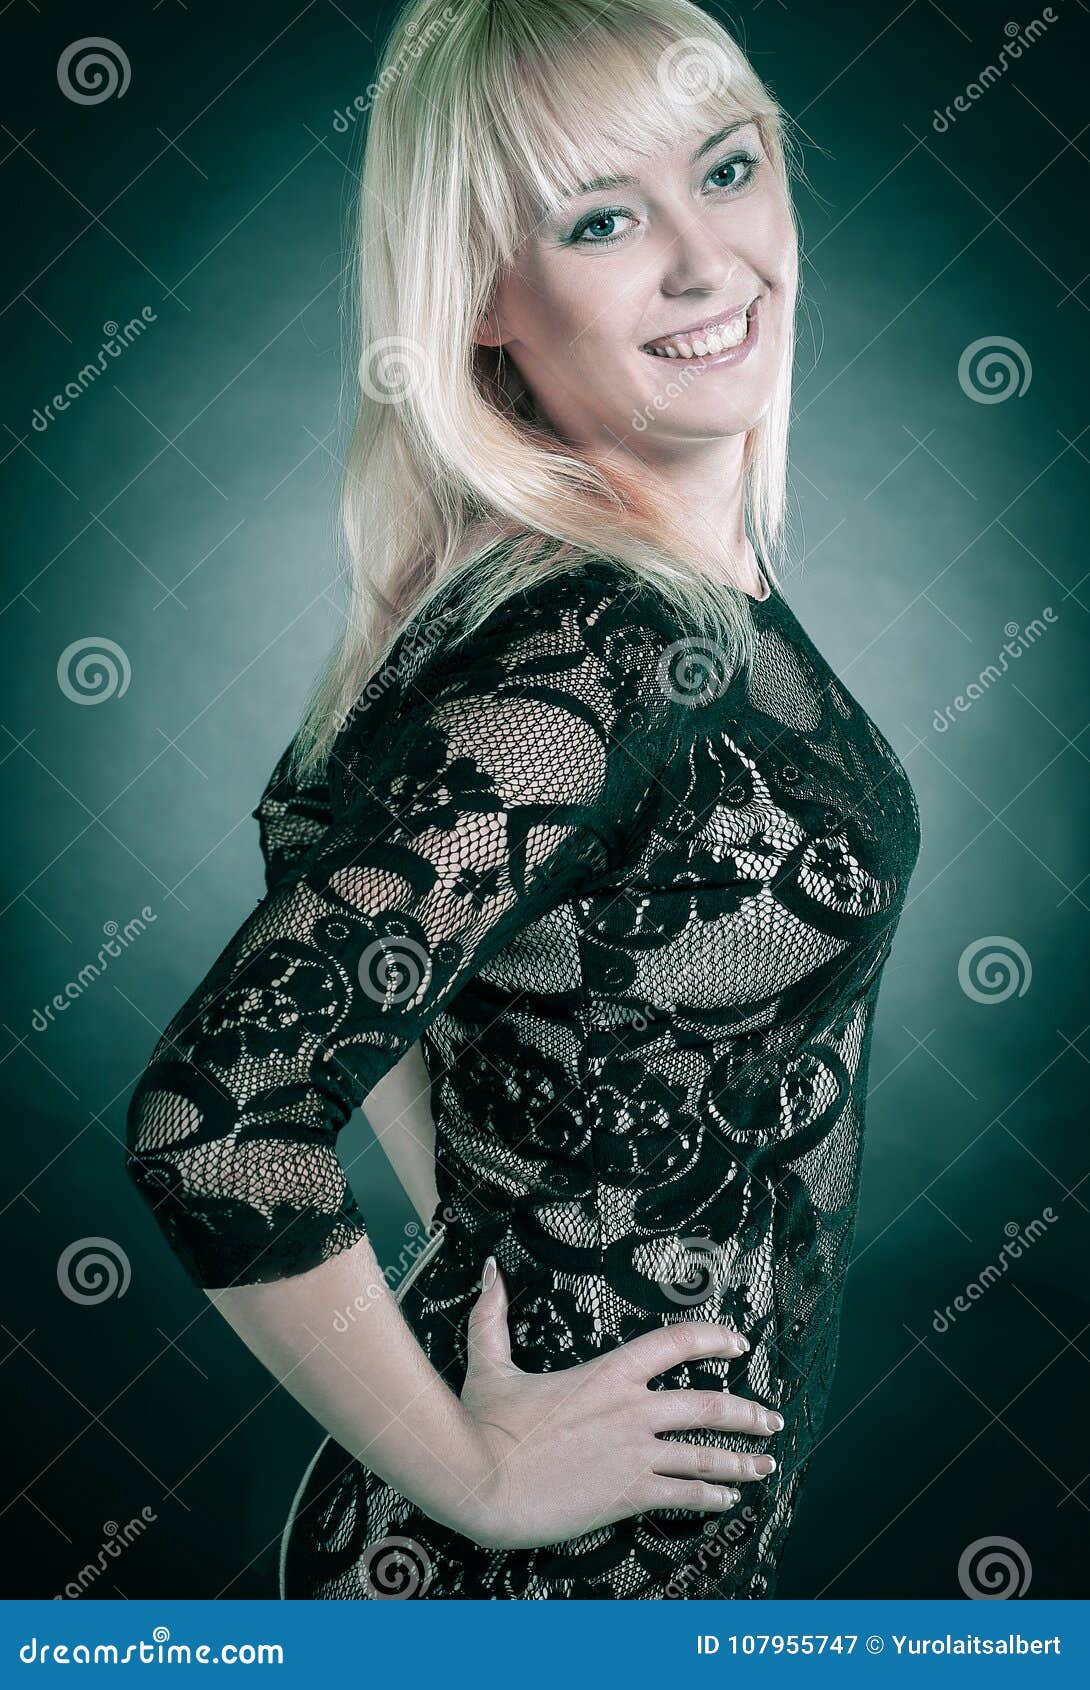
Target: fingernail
[(771, 1459), (776, 1421), (489, 1273), (743, 1341)]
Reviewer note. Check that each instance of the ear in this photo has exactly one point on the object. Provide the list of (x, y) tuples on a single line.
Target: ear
[(488, 331)]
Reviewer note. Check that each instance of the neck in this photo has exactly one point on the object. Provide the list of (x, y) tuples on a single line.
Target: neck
[(706, 478)]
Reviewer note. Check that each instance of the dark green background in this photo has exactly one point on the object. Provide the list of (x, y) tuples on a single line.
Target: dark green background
[(184, 508)]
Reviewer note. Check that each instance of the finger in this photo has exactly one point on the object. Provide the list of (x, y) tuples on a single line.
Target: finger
[(488, 1340), (681, 1411), (708, 1462), (668, 1346), (697, 1494)]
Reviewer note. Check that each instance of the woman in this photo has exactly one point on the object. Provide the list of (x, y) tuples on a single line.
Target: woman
[(579, 808)]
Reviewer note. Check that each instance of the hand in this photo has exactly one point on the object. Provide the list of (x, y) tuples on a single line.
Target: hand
[(565, 1452)]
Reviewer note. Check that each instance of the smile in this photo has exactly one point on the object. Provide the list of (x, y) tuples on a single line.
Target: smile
[(727, 338)]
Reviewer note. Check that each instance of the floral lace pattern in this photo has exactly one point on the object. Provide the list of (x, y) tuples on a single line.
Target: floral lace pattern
[(635, 904)]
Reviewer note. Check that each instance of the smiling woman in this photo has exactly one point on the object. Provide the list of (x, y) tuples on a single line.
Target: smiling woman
[(683, 228), (580, 809)]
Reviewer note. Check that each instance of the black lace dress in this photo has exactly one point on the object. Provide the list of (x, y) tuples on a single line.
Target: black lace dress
[(636, 903)]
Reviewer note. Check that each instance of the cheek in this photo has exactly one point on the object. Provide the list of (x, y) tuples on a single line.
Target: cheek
[(777, 245), (557, 321), (575, 307)]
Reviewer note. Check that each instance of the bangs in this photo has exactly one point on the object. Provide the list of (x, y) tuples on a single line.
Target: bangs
[(556, 113)]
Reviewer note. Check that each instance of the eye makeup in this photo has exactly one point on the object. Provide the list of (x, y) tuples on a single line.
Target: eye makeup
[(746, 162)]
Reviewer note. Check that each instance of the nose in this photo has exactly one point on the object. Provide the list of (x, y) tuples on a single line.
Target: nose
[(698, 260)]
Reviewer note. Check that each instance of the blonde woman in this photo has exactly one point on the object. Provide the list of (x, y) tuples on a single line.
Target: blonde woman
[(583, 863)]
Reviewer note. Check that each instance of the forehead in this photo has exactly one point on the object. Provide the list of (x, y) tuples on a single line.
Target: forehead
[(608, 106), (691, 148)]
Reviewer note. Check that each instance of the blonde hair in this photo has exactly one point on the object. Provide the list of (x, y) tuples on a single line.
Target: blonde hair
[(485, 114)]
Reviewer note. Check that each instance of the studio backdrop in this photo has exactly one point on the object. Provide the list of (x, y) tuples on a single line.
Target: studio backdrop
[(178, 181)]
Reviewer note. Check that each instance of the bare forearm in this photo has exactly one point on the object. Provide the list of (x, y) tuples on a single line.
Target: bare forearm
[(399, 1112), (336, 1339)]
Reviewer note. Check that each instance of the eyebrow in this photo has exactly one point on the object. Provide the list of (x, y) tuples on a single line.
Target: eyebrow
[(598, 183)]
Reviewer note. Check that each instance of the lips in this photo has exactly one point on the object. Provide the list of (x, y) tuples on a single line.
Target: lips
[(694, 331)]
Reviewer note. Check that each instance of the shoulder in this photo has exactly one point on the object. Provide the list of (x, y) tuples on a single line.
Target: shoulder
[(595, 608), (590, 640)]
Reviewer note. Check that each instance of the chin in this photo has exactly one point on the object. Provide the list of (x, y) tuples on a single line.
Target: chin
[(716, 420)]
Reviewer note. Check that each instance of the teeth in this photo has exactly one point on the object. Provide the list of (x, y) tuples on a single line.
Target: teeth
[(712, 341)]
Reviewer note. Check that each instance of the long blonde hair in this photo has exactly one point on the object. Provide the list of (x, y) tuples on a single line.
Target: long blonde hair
[(484, 114)]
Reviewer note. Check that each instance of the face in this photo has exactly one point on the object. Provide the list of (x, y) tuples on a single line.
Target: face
[(604, 312)]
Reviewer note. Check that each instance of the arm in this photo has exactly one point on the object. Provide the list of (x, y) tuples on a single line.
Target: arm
[(368, 1383), (510, 781), (292, 816), (399, 1110)]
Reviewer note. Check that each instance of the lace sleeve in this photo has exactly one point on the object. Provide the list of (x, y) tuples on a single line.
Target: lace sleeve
[(292, 815), (512, 774)]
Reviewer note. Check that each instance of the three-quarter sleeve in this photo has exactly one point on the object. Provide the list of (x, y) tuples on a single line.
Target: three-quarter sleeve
[(292, 815), (490, 783)]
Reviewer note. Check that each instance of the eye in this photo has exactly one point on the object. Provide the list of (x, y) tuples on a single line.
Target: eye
[(596, 229), (745, 163), (593, 223)]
